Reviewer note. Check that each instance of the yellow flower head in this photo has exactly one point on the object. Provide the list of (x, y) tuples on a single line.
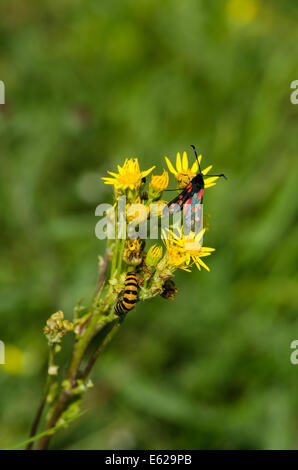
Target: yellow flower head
[(184, 174), (159, 183), (192, 245), (154, 255), (129, 176), (176, 256)]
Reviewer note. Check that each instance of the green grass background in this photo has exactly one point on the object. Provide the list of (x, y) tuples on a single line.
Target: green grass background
[(89, 83)]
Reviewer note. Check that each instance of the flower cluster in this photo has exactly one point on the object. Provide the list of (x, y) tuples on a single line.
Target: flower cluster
[(157, 266)]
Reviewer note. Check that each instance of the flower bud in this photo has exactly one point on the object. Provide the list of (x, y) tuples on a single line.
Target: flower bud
[(154, 255), (56, 327), (158, 184)]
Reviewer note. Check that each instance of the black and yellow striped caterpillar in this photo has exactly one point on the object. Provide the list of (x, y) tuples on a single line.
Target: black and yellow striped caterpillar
[(130, 295)]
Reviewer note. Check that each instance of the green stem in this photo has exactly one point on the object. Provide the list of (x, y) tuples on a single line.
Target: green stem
[(79, 350), (51, 431), (80, 347), (121, 253), (42, 403), (100, 348), (116, 245)]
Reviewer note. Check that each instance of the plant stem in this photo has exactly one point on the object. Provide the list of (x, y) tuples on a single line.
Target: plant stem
[(60, 407), (121, 252), (102, 273), (38, 417), (44, 433), (100, 348), (42, 403), (78, 353), (96, 321), (116, 245)]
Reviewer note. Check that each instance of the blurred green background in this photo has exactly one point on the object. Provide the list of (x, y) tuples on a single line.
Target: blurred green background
[(89, 83)]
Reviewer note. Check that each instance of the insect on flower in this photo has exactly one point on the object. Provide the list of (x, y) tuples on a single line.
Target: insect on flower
[(191, 198), (130, 295)]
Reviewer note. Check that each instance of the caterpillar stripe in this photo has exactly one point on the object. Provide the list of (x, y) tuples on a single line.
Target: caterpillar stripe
[(130, 295)]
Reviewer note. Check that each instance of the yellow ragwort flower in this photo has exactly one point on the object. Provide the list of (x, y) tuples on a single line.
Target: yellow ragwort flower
[(129, 176), (192, 245), (184, 174), (160, 182), (176, 257)]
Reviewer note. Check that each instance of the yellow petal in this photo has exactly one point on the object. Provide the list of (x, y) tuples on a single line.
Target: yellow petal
[(186, 269), (145, 173), (195, 167), (170, 166), (185, 161), (207, 169), (211, 179), (112, 174), (203, 264), (137, 166), (209, 185), (197, 264), (107, 178), (206, 248), (178, 162), (199, 235)]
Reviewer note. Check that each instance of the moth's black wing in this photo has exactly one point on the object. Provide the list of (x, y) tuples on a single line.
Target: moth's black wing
[(190, 200), (176, 205)]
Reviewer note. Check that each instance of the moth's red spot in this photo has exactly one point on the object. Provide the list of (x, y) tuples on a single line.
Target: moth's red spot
[(200, 193), (186, 205)]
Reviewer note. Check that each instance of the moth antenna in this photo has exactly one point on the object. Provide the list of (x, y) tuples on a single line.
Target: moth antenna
[(219, 176), (195, 151)]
